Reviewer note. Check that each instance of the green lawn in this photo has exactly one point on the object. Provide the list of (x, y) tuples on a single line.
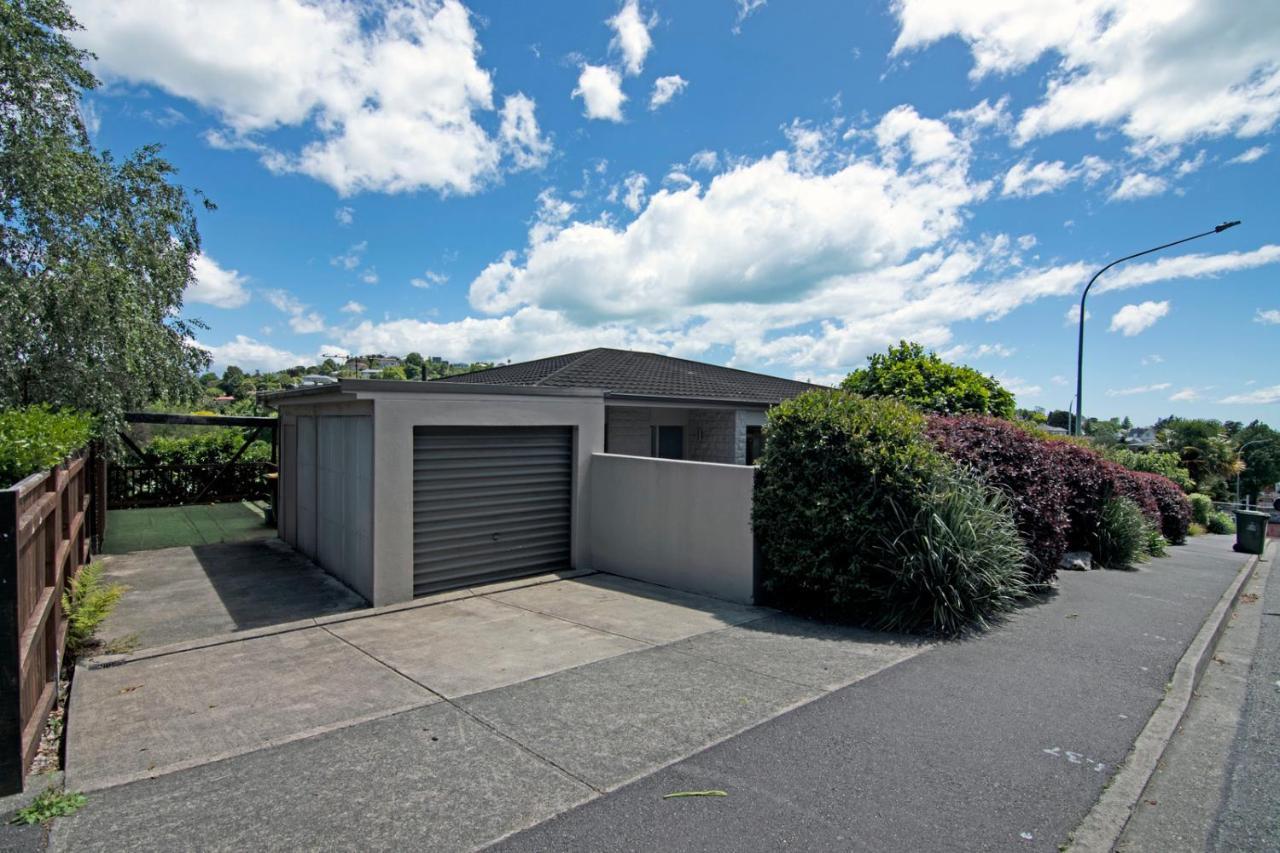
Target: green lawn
[(171, 527)]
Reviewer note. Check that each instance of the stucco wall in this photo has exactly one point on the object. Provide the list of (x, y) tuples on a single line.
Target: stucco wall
[(685, 525)]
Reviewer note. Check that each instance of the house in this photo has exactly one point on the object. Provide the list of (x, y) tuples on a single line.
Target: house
[(1140, 437), (622, 461)]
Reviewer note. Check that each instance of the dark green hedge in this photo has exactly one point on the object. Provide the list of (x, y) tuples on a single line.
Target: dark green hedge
[(36, 438)]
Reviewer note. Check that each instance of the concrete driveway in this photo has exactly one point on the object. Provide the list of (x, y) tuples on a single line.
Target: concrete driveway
[(447, 723)]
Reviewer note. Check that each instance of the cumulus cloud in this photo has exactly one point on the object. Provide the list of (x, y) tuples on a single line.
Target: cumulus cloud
[(634, 191), (520, 135), (1261, 396), (1025, 179), (428, 279), (216, 286), (350, 259), (352, 307), (345, 215), (302, 320), (705, 160), (1134, 319), (1138, 389), (250, 354), (963, 351), (600, 88), (631, 36), (1164, 73), (1270, 317), (1250, 155), (666, 88), (386, 102), (1139, 185)]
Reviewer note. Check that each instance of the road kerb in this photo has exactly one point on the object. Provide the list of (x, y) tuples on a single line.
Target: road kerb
[(1105, 822)]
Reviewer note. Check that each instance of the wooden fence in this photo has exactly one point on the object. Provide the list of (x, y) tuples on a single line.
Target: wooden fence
[(47, 527), (131, 486)]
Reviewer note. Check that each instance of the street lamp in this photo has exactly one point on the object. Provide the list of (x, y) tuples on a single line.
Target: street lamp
[(1075, 430)]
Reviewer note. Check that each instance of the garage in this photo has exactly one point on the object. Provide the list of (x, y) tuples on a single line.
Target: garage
[(490, 504)]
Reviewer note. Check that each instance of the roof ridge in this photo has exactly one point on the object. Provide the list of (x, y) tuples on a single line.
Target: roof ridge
[(576, 357)]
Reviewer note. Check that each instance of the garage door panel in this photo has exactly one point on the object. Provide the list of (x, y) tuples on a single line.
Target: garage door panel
[(490, 503)]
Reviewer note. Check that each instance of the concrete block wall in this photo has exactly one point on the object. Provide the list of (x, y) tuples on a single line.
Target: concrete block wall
[(743, 418), (710, 436), (627, 428)]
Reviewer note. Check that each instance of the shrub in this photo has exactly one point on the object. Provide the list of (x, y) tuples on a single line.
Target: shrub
[(1156, 545), (831, 463), (1221, 522), (208, 448), (1122, 533), (1021, 466), (951, 563), (908, 373), (1201, 508), (1197, 529), (36, 438), (87, 601), (1154, 462), (1087, 487), (1175, 509), (1131, 485)]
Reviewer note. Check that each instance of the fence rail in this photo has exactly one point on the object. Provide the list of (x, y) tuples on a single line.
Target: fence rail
[(45, 539), (133, 486)]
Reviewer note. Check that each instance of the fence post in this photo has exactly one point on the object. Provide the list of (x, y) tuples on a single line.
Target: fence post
[(11, 746)]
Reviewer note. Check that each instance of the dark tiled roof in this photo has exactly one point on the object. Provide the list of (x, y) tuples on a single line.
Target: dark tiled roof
[(640, 373)]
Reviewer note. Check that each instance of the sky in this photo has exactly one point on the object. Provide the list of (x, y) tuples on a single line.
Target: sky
[(776, 185)]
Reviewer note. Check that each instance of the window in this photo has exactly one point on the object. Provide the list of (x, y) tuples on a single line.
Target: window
[(755, 444), (666, 442)]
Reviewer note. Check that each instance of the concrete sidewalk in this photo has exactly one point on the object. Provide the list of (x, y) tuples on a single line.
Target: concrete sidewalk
[(446, 724)]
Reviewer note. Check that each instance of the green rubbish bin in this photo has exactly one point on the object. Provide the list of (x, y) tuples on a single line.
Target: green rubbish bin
[(1251, 531)]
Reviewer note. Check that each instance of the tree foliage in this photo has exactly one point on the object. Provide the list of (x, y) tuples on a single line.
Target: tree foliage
[(1261, 457), (95, 253), (1205, 450), (910, 374)]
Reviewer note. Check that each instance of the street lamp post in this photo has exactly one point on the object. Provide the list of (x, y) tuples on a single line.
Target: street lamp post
[(1075, 428)]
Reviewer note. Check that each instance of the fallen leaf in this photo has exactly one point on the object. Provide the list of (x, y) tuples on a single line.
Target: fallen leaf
[(129, 689), (676, 794), (1072, 615), (1249, 598)]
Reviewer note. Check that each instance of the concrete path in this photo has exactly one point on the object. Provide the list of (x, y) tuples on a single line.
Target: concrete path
[(446, 724), (193, 592), (1003, 742)]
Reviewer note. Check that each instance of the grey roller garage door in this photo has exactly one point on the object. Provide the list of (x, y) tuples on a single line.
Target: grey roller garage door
[(489, 503)]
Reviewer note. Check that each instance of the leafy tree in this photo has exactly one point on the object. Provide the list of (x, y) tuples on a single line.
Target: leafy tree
[(394, 372), (1035, 416), (94, 253), (413, 358), (1106, 433), (329, 367), (1205, 450), (1261, 460), (1154, 461), (233, 379), (908, 373), (412, 371), (1059, 418)]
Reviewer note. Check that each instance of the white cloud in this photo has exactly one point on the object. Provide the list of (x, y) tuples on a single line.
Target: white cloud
[(1072, 317), (345, 215), (1154, 358), (1250, 155), (705, 160), (302, 320), (214, 285), (1133, 319), (1270, 317), (1262, 396), (1138, 389), (666, 88), (963, 351), (430, 278), (369, 276), (385, 102), (631, 36), (249, 354), (89, 116), (350, 259), (1164, 72), (600, 88), (1019, 387), (520, 135), (352, 307), (1025, 180), (1139, 185), (1187, 266), (746, 8), (635, 185), (1186, 167), (1186, 395)]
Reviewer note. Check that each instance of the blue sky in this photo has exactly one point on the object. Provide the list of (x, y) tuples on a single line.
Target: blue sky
[(783, 186)]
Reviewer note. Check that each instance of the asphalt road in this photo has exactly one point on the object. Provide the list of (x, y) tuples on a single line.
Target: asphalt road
[(1002, 742), (1249, 818)]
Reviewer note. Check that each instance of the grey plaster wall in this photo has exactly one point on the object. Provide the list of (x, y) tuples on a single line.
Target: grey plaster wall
[(685, 525)]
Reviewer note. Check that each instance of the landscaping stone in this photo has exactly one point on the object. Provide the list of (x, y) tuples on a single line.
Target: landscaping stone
[(1076, 561)]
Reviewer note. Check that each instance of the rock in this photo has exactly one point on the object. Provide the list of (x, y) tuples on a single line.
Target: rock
[(1076, 561)]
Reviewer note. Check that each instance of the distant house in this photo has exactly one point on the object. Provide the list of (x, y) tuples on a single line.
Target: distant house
[(225, 398), (1053, 430), (371, 373), (1140, 437), (384, 361)]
